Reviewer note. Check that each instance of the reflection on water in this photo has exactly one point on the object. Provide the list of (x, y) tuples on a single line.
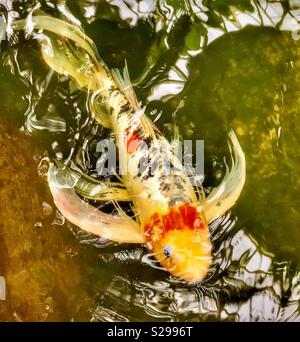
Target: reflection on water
[(194, 63)]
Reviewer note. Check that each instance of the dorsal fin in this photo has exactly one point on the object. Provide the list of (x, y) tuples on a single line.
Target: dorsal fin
[(124, 83)]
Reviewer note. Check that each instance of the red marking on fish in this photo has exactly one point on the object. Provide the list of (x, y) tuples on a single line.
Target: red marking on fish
[(133, 142), (185, 216)]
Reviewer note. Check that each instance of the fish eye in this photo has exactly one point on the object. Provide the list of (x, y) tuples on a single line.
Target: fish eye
[(168, 251)]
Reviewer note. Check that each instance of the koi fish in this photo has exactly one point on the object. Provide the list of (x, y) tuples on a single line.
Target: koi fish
[(171, 218)]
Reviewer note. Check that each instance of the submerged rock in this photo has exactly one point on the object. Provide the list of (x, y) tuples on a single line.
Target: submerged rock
[(249, 81), (38, 265)]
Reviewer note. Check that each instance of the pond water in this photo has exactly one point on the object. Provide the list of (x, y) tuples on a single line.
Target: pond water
[(207, 66)]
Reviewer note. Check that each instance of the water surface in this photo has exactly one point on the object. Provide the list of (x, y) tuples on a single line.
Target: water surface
[(207, 67)]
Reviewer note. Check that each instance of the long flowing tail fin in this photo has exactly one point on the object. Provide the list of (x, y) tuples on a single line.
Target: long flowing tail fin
[(223, 197), (67, 50)]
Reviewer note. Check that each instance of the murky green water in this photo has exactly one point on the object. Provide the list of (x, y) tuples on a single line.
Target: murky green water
[(200, 65)]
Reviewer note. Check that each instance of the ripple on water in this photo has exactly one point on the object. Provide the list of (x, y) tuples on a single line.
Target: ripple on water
[(123, 283)]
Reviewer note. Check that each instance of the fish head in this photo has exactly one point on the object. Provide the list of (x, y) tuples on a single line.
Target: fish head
[(180, 241)]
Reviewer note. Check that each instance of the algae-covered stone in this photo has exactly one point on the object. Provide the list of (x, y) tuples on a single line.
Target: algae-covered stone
[(250, 81), (40, 280)]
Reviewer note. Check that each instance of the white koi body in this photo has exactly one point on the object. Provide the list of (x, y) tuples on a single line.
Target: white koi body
[(169, 216)]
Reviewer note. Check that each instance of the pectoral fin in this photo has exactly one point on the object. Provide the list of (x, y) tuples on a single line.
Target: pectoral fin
[(101, 191), (116, 228), (223, 197)]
